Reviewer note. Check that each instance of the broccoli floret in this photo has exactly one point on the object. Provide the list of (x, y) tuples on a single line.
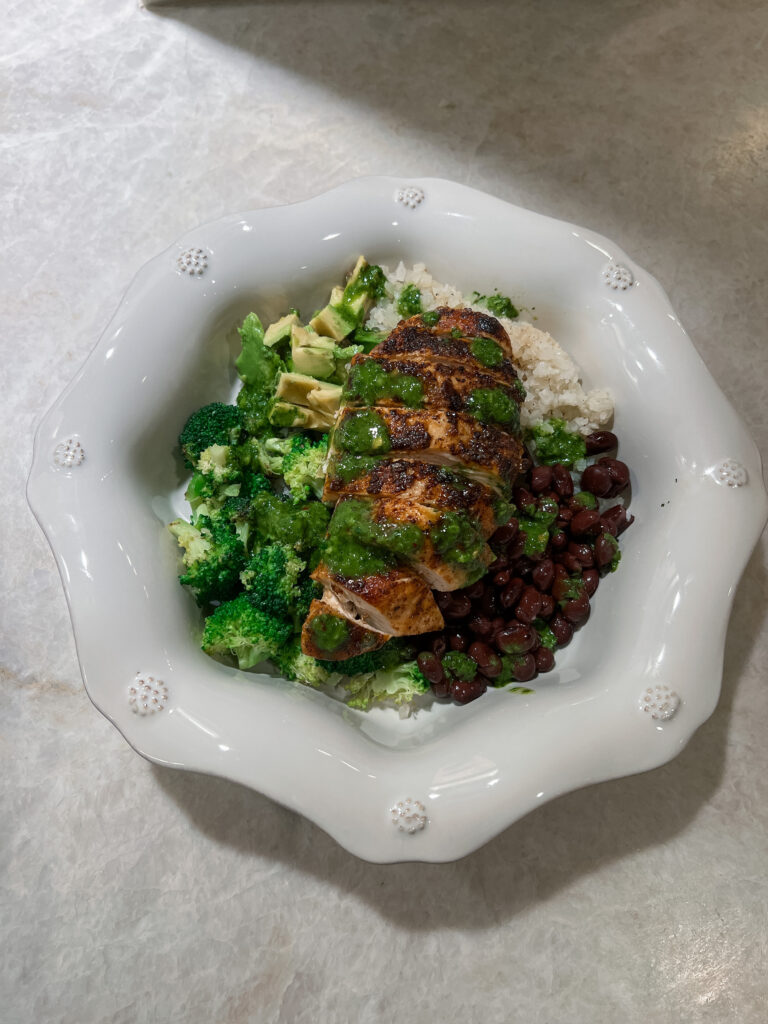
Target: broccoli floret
[(296, 665), (308, 592), (396, 686), (253, 484), (271, 576), (205, 497), (241, 629), (303, 466), (258, 367), (220, 463), (268, 453), (214, 557), (214, 424)]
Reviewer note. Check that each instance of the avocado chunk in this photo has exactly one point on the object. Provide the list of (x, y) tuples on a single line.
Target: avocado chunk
[(280, 331), (314, 361), (333, 321)]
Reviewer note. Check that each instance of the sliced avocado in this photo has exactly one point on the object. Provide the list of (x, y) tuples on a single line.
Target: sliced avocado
[(325, 400), (352, 297), (333, 321), (283, 414), (314, 361), (296, 388), (280, 330)]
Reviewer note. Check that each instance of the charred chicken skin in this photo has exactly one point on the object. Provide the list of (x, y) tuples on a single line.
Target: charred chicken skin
[(425, 447)]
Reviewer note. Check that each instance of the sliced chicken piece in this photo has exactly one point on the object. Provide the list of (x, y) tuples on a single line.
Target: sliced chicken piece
[(421, 482), (441, 571), (445, 439), (353, 638), (397, 602), (464, 322), (434, 383)]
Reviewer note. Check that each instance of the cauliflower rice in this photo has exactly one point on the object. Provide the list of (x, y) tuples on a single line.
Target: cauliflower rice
[(551, 377)]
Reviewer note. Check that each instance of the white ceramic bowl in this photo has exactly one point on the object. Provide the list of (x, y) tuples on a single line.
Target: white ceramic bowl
[(625, 696)]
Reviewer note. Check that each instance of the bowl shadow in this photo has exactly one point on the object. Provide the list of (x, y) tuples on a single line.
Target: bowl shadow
[(546, 851)]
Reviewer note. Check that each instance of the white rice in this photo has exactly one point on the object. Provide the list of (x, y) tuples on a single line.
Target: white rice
[(551, 378)]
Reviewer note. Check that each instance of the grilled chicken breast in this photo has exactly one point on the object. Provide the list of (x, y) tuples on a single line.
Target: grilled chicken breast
[(447, 439), (397, 602), (442, 383), (354, 638), (422, 482), (429, 438)]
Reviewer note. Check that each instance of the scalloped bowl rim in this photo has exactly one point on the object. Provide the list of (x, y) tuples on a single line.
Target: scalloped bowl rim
[(439, 785)]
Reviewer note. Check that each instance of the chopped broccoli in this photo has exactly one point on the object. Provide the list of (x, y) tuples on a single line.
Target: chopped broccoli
[(303, 466), (296, 665), (241, 629), (271, 576), (214, 557), (269, 453), (214, 424), (397, 685), (220, 463)]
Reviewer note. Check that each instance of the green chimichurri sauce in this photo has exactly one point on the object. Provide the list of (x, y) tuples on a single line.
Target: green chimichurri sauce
[(353, 518), (369, 382), (554, 443), (349, 467), (347, 557), (409, 302), (363, 433), (534, 522), (431, 317), (487, 352), (370, 281), (456, 538), (497, 304), (492, 405), (329, 632)]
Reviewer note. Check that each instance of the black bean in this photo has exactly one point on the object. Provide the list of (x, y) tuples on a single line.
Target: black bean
[(545, 660), (516, 638), (601, 441), (591, 578), (525, 668), (488, 603), (480, 625), (585, 522), (547, 606), (582, 553), (482, 654), (511, 593), (605, 549), (439, 645), (459, 608), (441, 689), (529, 605), (597, 480), (431, 667), (443, 599), (558, 540), (457, 641), (541, 479), (562, 629), (618, 472), (576, 610), (463, 692), (475, 590), (505, 533), (523, 497), (562, 481), (501, 579), (542, 574)]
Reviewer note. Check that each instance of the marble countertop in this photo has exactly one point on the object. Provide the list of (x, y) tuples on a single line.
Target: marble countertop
[(135, 893)]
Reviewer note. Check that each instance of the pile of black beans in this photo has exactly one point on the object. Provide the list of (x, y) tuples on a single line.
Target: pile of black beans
[(501, 615)]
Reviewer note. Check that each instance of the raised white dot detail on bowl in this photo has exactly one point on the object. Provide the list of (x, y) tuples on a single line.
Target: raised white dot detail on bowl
[(193, 262), (409, 815), (147, 695), (410, 196), (617, 276), (660, 702), (731, 473), (68, 453)]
